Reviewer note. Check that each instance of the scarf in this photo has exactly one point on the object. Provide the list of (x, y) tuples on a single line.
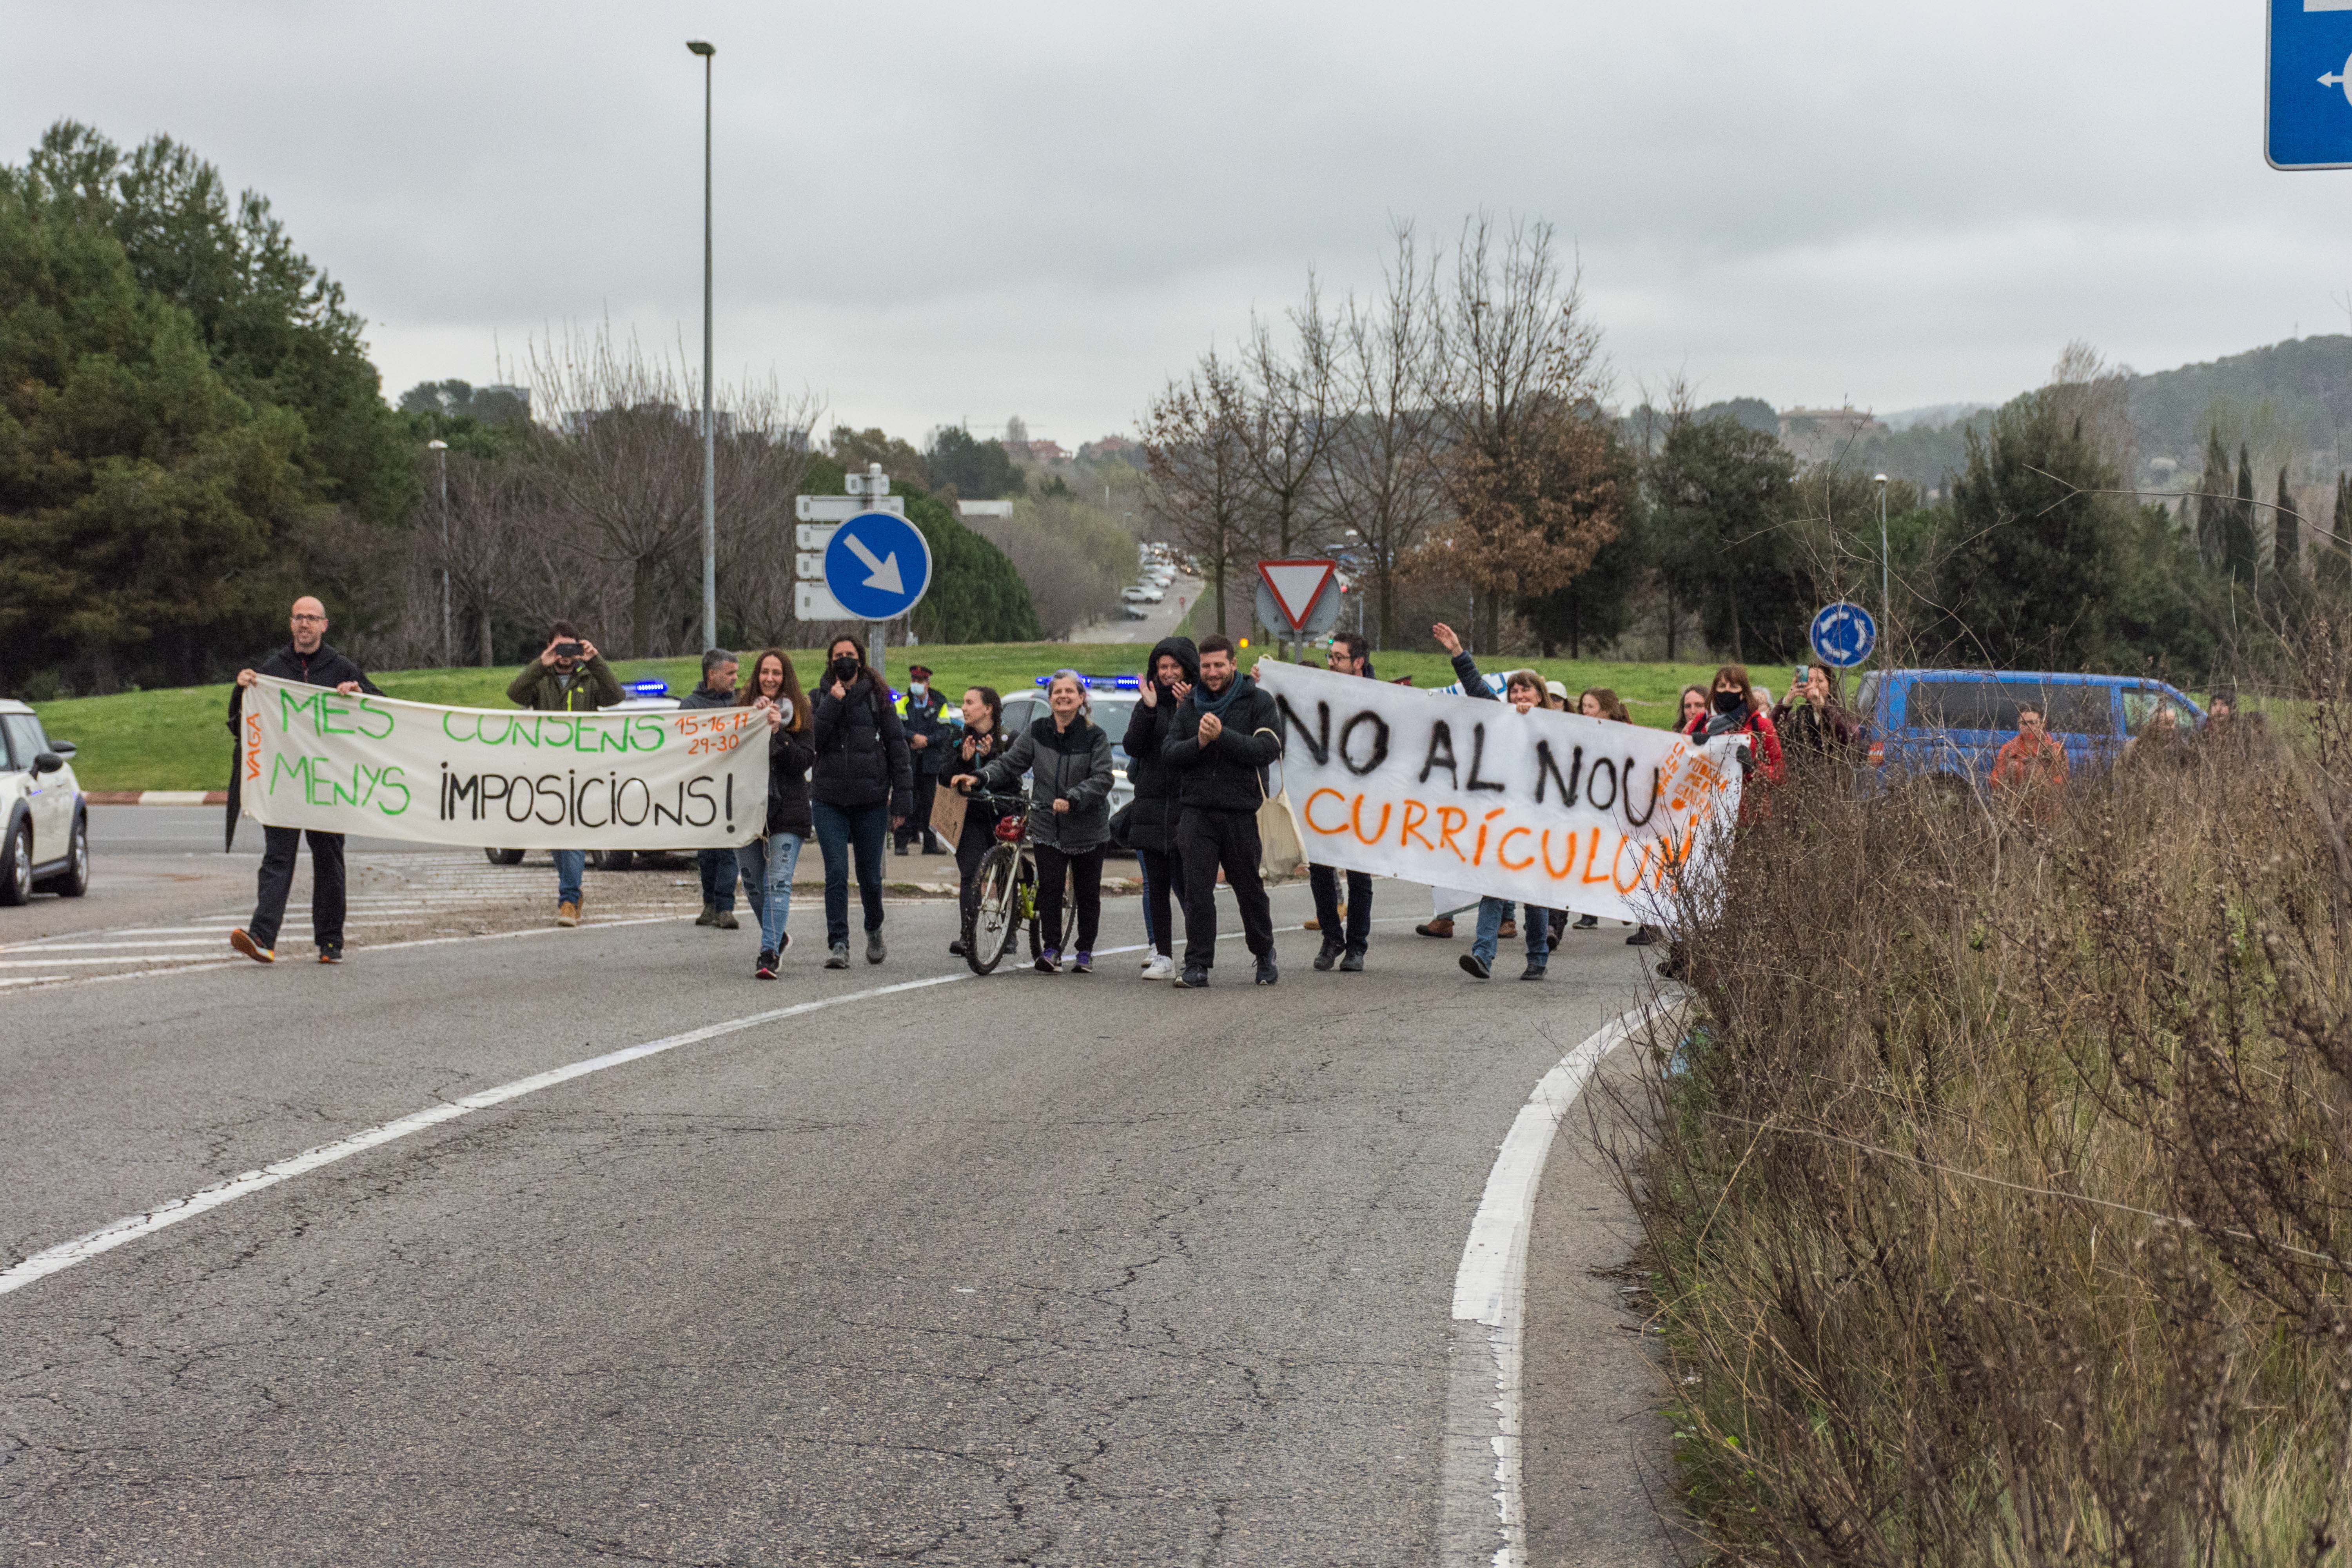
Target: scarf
[(1217, 705)]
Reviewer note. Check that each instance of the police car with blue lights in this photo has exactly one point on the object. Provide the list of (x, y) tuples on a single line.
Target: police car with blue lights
[(637, 696), (1111, 703)]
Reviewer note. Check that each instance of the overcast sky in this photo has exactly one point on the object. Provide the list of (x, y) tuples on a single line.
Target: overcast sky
[(932, 213)]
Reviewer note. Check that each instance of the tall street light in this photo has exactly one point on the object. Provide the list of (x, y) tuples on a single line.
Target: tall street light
[(440, 449), (709, 436), (1885, 601)]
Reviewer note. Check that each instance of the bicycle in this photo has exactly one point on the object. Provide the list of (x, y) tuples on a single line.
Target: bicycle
[(1005, 892)]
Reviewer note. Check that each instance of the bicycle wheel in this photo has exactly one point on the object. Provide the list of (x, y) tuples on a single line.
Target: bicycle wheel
[(996, 915)]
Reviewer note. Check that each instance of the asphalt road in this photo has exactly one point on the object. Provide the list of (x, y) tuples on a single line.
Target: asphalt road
[(1022, 1269)]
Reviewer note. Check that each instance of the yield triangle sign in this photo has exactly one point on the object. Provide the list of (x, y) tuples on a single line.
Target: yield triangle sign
[(1294, 585)]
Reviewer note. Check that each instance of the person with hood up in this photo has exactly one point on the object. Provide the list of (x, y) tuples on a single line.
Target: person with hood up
[(1168, 676), (862, 785), (1067, 758), (1226, 733)]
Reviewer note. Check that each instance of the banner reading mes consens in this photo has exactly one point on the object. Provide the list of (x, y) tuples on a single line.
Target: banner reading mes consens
[(1552, 809), (312, 757)]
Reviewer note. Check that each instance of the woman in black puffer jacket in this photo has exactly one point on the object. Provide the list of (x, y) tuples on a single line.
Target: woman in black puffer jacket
[(981, 742), (862, 786), (1169, 675)]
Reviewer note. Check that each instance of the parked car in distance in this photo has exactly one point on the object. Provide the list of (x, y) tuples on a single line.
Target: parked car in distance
[(643, 697), (42, 812), (1944, 725), (1141, 594)]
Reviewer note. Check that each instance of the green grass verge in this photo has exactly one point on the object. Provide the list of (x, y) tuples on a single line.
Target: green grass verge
[(178, 739)]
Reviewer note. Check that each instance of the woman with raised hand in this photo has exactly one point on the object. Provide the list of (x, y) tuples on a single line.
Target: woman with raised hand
[(862, 786), (1067, 758), (1812, 719), (773, 689), (1168, 678)]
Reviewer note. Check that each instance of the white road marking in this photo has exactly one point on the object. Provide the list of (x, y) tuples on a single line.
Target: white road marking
[(107, 1237), (126, 958), (1483, 1517)]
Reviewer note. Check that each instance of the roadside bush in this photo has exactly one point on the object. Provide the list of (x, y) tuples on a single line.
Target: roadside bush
[(2004, 1215)]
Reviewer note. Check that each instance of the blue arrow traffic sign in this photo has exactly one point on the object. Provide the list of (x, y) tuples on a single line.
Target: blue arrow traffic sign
[(2308, 117), (1843, 634), (877, 565)]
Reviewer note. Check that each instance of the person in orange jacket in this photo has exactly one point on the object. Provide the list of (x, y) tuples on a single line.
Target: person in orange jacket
[(2031, 766)]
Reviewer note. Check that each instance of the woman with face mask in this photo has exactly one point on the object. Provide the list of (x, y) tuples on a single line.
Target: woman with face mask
[(862, 786), (1067, 758), (1734, 709), (773, 689), (981, 744)]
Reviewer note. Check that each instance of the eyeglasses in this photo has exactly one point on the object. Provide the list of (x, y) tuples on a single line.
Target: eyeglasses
[(321, 620)]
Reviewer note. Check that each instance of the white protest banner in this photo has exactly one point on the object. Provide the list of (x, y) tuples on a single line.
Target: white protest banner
[(309, 756), (1550, 809)]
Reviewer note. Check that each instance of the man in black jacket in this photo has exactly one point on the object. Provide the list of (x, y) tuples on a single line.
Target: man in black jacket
[(1217, 754), (309, 660), (1350, 654), (718, 867)]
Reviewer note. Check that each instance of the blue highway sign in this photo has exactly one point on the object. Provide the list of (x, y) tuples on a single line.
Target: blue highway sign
[(877, 565), (2308, 117), (1843, 634)]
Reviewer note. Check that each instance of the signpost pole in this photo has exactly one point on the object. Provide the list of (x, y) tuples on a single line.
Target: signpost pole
[(1885, 596), (877, 633)]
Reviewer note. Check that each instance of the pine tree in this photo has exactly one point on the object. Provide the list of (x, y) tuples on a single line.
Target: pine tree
[(2238, 540), (2213, 501), (2286, 534), (2336, 557)]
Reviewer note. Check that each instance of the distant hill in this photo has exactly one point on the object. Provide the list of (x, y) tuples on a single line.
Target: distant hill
[(1934, 416), (2297, 392)]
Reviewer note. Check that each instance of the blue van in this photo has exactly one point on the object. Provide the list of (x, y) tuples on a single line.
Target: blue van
[(1926, 724)]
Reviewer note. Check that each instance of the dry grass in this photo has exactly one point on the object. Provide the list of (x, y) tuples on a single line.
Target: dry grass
[(2004, 1216)]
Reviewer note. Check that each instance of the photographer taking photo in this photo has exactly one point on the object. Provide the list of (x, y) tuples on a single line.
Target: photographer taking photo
[(568, 677)]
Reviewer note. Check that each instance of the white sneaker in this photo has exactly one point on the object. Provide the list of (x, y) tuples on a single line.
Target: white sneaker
[(1161, 967)]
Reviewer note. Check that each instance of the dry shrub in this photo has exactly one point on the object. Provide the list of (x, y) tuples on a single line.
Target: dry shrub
[(2004, 1215)]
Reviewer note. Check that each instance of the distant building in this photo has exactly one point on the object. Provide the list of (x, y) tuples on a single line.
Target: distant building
[(1110, 446), (1037, 451), (983, 509), (1818, 435)]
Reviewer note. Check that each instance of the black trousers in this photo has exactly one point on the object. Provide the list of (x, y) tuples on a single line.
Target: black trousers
[(919, 821), (978, 835), (1163, 886), (1084, 873), (1326, 883), (1206, 840), (281, 847)]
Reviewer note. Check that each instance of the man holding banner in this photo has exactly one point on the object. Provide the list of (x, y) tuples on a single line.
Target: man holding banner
[(307, 659), (1350, 654)]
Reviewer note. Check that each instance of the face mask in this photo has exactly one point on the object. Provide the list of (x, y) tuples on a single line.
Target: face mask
[(1727, 702), (844, 670), (918, 688)]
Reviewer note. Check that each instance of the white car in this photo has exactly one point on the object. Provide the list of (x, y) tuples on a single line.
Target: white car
[(1141, 594), (47, 822)]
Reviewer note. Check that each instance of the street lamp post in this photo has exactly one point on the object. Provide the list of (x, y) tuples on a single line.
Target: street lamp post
[(709, 434), (440, 449), (1885, 600)]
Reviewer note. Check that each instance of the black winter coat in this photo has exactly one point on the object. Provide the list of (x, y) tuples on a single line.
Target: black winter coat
[(985, 749), (324, 667), (861, 750), (1224, 775), (1071, 765), (1151, 824)]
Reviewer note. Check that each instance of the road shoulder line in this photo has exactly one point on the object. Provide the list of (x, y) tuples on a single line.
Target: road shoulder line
[(1482, 1517)]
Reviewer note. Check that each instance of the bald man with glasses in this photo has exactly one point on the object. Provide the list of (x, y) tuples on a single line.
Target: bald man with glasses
[(306, 658)]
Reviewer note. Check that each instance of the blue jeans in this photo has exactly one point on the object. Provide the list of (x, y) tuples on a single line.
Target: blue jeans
[(767, 865), (570, 865), (719, 872), (839, 829), (1536, 927)]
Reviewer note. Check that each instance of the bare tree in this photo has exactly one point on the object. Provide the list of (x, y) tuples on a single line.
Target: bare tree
[(1204, 486), (1290, 418), (1380, 463), (1527, 470)]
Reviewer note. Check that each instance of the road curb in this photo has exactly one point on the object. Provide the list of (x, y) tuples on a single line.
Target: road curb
[(1482, 1516), (155, 797)]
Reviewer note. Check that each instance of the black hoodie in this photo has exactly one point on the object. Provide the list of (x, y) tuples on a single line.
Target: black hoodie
[(1152, 824)]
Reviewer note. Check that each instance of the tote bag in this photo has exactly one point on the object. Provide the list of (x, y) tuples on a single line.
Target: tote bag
[(1281, 850)]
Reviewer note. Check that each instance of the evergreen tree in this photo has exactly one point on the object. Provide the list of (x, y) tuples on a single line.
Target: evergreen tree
[(2238, 540), (2286, 534), (2213, 503), (2335, 568)]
